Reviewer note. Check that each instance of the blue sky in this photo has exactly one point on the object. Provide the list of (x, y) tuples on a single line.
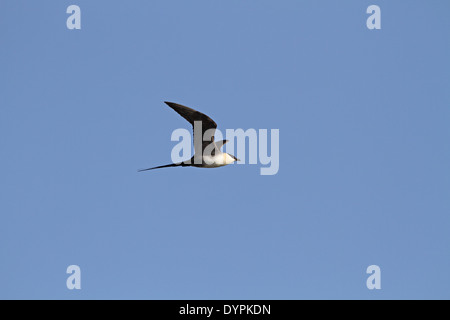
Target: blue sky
[(364, 173)]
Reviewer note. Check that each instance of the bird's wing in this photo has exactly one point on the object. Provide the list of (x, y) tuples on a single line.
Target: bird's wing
[(191, 116), (219, 144)]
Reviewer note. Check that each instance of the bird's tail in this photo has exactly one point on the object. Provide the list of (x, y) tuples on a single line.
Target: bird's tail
[(165, 166)]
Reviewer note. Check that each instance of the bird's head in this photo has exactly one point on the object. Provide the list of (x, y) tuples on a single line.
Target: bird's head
[(231, 158)]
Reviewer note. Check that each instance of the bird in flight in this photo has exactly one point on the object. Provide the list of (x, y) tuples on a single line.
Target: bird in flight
[(207, 151)]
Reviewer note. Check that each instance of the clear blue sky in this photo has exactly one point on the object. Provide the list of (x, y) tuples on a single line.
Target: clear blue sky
[(364, 150)]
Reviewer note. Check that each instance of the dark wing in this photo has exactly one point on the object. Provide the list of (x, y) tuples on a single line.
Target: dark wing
[(191, 116)]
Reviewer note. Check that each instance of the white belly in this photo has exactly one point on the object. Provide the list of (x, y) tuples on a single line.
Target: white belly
[(217, 160)]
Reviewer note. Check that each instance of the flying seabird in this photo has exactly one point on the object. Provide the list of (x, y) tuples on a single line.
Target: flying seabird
[(207, 153)]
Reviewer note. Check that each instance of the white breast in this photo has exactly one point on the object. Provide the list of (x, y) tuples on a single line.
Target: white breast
[(218, 160)]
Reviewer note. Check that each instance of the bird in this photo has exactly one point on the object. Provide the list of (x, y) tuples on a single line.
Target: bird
[(207, 153)]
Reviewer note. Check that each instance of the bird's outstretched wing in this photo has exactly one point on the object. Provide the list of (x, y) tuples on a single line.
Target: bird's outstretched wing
[(191, 116), (219, 144)]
